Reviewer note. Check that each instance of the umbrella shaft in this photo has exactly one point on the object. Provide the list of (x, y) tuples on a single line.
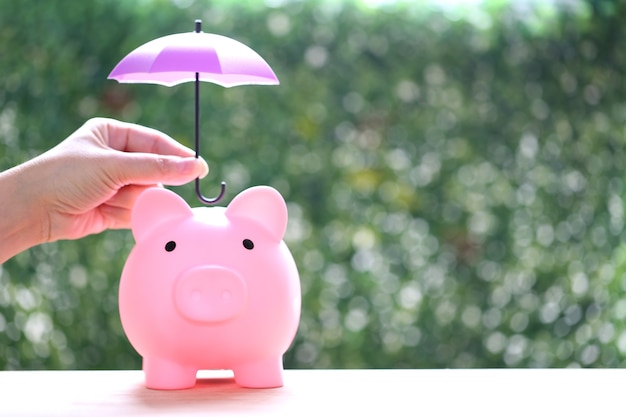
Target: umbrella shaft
[(201, 197), (197, 116)]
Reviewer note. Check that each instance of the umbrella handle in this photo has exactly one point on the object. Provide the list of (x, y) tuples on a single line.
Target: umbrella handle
[(209, 200)]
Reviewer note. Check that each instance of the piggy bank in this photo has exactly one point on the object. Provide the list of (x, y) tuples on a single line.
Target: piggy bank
[(210, 288)]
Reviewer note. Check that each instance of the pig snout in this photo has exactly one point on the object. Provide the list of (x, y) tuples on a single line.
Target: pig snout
[(209, 294)]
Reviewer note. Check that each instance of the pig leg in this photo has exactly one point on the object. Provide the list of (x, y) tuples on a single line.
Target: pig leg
[(165, 374), (264, 373)]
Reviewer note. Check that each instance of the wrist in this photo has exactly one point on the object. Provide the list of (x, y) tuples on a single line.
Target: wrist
[(22, 222)]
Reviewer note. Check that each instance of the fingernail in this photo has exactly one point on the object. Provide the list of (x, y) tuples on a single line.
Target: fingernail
[(205, 168), (194, 166)]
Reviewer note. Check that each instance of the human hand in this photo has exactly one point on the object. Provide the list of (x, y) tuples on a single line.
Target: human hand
[(89, 182)]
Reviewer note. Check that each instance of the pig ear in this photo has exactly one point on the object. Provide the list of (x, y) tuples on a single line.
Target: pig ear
[(155, 206), (262, 205)]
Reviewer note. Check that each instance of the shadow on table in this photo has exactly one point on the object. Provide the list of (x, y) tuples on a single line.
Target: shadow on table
[(211, 392)]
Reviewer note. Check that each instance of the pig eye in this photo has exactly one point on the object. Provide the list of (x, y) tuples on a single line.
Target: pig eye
[(170, 246), (248, 244)]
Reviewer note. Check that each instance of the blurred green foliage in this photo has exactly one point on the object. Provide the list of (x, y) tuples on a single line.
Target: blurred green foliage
[(454, 175)]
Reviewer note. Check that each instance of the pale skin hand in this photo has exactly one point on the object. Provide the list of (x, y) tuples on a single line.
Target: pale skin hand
[(88, 183)]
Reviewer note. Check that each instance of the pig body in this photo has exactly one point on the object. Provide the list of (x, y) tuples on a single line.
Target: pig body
[(210, 288)]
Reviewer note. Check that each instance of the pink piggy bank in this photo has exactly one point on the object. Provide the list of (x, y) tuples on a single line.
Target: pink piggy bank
[(210, 288)]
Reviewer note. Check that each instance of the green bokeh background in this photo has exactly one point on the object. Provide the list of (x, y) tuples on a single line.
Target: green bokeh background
[(454, 176)]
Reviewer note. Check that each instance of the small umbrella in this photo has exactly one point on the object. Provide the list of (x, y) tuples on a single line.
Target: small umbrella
[(195, 56)]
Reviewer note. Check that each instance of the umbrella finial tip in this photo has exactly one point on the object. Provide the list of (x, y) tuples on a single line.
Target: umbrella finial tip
[(198, 25)]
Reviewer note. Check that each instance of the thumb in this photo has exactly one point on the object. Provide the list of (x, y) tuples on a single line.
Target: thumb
[(148, 168)]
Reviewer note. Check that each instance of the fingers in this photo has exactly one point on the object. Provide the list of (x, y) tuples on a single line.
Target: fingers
[(126, 196), (145, 156), (129, 137), (147, 168), (116, 212)]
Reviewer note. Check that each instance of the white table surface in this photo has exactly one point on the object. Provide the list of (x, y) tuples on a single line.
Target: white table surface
[(495, 392)]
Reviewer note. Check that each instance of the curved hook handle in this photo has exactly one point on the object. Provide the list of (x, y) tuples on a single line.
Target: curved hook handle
[(209, 200)]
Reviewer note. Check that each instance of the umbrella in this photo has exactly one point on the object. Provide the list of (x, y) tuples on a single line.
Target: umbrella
[(195, 56)]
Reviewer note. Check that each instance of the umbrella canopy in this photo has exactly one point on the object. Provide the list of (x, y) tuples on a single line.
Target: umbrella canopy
[(195, 56), (175, 59)]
